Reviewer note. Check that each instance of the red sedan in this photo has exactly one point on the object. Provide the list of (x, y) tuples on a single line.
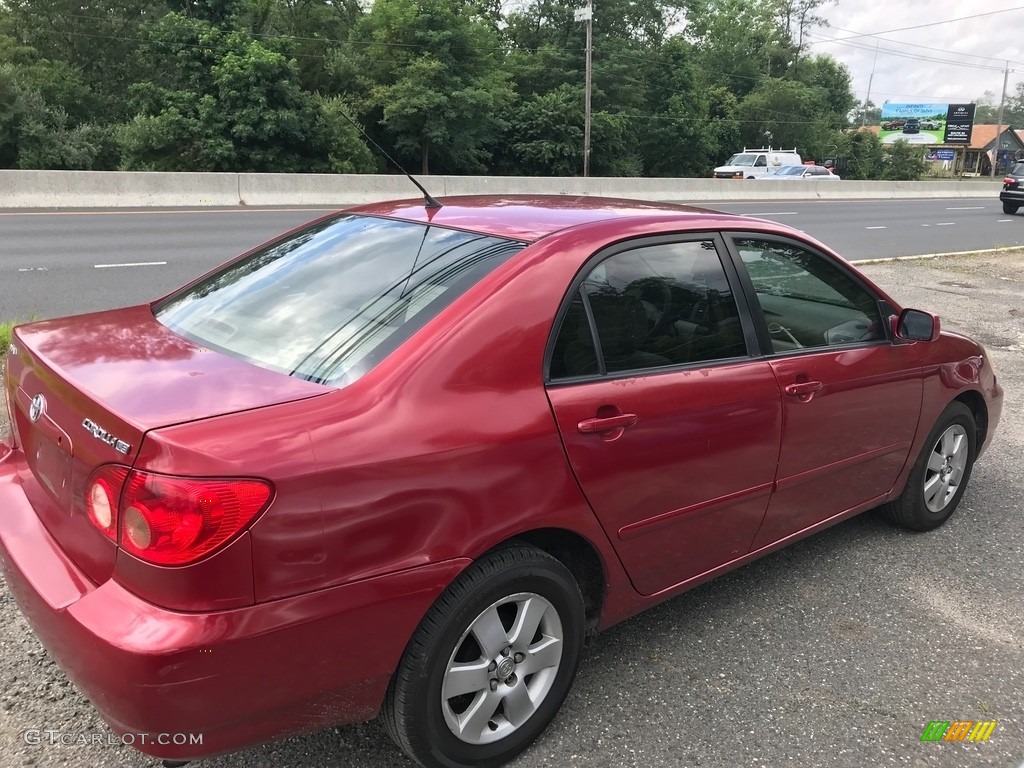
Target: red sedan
[(405, 459)]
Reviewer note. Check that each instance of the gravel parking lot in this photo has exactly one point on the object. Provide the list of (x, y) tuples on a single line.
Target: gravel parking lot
[(835, 652)]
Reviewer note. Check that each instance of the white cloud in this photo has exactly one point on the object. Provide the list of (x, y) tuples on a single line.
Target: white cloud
[(956, 61)]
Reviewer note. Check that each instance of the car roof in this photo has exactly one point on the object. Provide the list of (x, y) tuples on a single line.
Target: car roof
[(531, 217)]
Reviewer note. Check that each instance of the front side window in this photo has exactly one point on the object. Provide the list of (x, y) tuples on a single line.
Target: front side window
[(807, 301), (330, 301), (646, 308)]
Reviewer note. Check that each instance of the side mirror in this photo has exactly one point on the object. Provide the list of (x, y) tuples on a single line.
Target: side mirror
[(916, 325)]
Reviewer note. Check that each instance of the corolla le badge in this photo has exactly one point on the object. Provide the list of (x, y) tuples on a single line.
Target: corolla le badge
[(37, 408), (103, 436)]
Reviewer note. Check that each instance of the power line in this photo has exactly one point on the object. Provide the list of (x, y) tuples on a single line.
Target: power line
[(931, 24), (915, 45), (902, 54)]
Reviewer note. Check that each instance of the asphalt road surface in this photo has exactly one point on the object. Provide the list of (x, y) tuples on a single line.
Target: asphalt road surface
[(833, 653), (66, 262)]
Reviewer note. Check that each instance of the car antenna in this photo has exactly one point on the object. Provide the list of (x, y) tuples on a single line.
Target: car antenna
[(428, 200)]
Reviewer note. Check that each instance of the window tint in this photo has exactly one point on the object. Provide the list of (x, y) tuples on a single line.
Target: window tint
[(760, 162), (652, 307), (331, 300), (808, 301)]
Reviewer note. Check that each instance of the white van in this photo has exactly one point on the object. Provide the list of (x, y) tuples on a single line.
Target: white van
[(752, 163)]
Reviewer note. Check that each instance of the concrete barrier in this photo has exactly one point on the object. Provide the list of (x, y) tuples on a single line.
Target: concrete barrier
[(114, 189)]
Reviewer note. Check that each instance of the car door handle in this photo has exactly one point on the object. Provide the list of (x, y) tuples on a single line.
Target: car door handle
[(607, 423), (803, 388)]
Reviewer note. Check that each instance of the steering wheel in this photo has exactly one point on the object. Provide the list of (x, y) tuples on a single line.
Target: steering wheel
[(780, 331)]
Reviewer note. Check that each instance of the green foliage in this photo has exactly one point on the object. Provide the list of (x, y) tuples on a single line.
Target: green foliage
[(545, 134), (903, 162), (456, 86), (37, 134), (6, 328), (346, 151), (781, 113), (431, 76), (863, 153)]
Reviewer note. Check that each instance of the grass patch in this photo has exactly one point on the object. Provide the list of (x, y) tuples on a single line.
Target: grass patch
[(5, 335)]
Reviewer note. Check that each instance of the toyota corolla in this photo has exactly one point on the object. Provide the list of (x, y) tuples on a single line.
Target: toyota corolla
[(404, 460)]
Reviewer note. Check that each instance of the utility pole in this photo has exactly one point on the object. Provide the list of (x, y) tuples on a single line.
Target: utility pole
[(867, 100), (999, 128), (587, 14)]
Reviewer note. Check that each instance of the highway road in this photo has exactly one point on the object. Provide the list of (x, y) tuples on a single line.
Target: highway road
[(65, 262)]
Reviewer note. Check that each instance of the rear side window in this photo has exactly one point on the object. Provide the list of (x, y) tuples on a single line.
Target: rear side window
[(332, 300), (650, 307)]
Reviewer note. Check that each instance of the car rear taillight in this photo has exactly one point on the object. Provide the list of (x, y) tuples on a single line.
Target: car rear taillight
[(101, 498), (1007, 181), (169, 520)]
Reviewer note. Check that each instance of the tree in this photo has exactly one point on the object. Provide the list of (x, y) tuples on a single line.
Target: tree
[(545, 134), (835, 86), (903, 162), (862, 151), (223, 102), (430, 74), (97, 40), (740, 41), (781, 113), (866, 113), (689, 125)]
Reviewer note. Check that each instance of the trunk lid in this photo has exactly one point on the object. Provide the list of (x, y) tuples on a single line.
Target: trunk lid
[(85, 390)]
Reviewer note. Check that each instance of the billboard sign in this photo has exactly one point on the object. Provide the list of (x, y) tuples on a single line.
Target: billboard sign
[(959, 123), (927, 123)]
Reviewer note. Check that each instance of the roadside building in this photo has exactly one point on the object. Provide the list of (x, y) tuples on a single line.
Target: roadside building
[(974, 159)]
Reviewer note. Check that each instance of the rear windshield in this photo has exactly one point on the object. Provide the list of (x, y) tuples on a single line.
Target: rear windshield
[(328, 302), (1018, 169)]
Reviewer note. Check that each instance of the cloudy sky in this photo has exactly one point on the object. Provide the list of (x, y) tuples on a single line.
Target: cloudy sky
[(959, 55)]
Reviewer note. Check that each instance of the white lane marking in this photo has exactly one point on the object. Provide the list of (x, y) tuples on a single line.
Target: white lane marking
[(32, 269), (946, 224), (926, 225), (131, 264), (968, 208), (164, 212), (874, 227), (1002, 221), (775, 213)]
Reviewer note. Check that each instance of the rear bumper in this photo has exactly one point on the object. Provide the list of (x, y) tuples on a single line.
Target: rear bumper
[(235, 678), (1012, 195)]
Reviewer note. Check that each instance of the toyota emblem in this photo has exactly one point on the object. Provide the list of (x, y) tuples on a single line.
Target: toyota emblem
[(37, 409)]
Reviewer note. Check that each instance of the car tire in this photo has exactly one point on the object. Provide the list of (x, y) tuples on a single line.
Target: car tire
[(941, 473), (512, 626), (1010, 208)]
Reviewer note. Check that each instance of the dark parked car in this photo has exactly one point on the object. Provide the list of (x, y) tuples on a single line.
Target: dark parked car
[(403, 460), (1012, 194), (912, 125)]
